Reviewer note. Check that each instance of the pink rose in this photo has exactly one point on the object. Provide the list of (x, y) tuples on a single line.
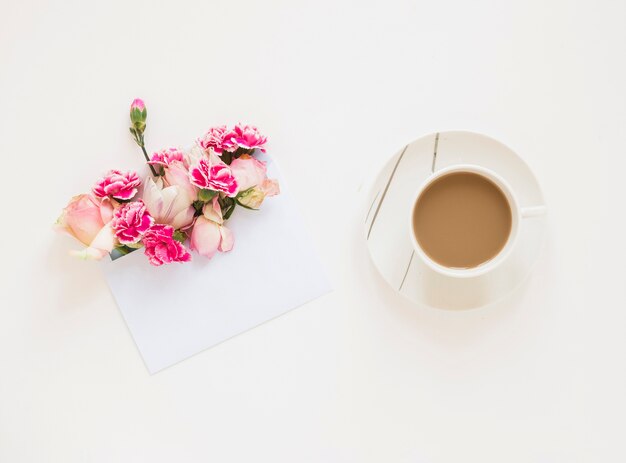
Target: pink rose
[(216, 177), (131, 222), (117, 184), (248, 171), (176, 174), (161, 247), (170, 205), (244, 136), (87, 219), (213, 139), (209, 235), (254, 186), (166, 157)]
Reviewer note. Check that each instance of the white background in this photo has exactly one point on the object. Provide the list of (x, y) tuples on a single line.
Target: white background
[(359, 375)]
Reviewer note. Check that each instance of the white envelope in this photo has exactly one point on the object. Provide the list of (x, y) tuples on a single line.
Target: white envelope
[(177, 310)]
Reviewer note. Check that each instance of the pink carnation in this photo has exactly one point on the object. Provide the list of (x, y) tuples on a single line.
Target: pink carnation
[(166, 157), (244, 136), (216, 177), (161, 247), (117, 184), (213, 139), (131, 222)]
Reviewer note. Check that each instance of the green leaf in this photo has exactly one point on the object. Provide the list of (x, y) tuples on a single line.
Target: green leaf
[(180, 236), (226, 202), (206, 195), (198, 205)]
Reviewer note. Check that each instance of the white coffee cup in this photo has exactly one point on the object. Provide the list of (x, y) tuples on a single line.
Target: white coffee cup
[(517, 215)]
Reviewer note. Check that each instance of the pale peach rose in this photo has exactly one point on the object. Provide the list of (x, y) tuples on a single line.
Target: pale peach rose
[(270, 187), (252, 198), (87, 219), (170, 205)]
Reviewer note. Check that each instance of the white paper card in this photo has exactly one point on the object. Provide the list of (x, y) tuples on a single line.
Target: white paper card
[(177, 310)]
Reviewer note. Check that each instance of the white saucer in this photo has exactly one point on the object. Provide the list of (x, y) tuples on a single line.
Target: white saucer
[(389, 205)]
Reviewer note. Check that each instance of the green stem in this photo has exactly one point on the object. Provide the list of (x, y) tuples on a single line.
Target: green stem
[(227, 157), (229, 212), (145, 155), (244, 206)]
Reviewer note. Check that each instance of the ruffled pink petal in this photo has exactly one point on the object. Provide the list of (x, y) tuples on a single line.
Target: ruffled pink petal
[(117, 184), (216, 177), (131, 222), (162, 248)]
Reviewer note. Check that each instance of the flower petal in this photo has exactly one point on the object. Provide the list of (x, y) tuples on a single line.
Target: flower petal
[(228, 239), (205, 237)]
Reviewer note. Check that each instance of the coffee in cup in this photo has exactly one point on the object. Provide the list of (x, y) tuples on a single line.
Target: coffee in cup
[(462, 220)]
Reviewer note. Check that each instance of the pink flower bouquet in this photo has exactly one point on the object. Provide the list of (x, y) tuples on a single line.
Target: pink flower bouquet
[(186, 201)]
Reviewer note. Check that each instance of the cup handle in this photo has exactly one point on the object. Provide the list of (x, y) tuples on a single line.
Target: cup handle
[(533, 211)]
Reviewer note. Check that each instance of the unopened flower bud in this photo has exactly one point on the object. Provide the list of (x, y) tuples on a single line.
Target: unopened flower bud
[(138, 115)]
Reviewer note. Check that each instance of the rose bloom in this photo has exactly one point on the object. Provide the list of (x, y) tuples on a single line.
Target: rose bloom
[(270, 187), (117, 184), (254, 186), (254, 197), (161, 247), (213, 139), (87, 219), (248, 171), (209, 234), (216, 177), (244, 136), (170, 205), (131, 222), (166, 157)]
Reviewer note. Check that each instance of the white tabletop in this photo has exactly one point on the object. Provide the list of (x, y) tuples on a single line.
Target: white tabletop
[(359, 375)]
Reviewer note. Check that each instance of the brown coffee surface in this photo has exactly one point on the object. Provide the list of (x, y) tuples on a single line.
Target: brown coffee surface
[(462, 220)]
